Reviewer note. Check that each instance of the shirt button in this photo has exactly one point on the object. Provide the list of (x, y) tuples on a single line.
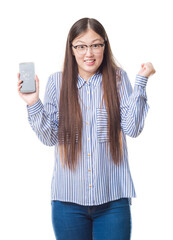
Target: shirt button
[(87, 123), (87, 108), (90, 186), (89, 170), (88, 92), (89, 154), (88, 139)]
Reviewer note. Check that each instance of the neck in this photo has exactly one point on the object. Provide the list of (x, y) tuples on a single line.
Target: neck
[(86, 76)]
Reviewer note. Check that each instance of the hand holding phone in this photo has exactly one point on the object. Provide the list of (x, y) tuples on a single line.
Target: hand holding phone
[(28, 83), (27, 75)]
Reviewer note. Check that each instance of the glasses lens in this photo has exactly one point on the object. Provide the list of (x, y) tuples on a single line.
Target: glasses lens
[(81, 49), (95, 48)]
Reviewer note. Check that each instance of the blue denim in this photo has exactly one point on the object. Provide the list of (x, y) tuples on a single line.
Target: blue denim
[(108, 221)]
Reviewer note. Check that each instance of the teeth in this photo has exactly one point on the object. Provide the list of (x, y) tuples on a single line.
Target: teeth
[(89, 61)]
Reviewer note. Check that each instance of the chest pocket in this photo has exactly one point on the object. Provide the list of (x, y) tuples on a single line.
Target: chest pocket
[(102, 118)]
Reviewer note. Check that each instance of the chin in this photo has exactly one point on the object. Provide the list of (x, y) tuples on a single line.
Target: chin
[(91, 70)]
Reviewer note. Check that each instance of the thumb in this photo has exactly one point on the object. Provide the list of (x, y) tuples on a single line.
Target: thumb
[(36, 78), (143, 66), (37, 82)]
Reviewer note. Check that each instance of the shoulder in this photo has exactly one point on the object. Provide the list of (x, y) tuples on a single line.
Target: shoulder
[(124, 85), (121, 77), (121, 72), (54, 84), (55, 80), (55, 77)]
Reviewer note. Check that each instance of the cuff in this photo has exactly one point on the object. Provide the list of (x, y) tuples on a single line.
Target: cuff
[(141, 81), (35, 108)]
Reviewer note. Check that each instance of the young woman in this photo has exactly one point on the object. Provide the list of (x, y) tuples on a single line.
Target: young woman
[(89, 109)]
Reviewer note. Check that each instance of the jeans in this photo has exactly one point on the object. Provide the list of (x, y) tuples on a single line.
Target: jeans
[(108, 221)]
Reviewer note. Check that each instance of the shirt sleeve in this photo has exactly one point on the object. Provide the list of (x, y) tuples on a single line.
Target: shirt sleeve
[(44, 118), (133, 104)]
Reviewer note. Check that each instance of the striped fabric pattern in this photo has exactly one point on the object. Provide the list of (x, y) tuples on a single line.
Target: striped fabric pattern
[(97, 179)]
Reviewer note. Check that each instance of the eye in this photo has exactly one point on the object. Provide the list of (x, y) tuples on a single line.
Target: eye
[(80, 47), (96, 45)]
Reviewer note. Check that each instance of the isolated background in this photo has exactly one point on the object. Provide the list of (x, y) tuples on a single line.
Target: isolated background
[(139, 31)]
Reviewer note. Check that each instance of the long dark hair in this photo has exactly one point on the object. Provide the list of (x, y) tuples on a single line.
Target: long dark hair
[(70, 116)]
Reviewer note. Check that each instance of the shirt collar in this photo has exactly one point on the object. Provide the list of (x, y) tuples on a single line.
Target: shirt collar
[(94, 80)]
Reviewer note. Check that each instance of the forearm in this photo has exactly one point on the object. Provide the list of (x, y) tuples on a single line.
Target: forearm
[(43, 124), (134, 109)]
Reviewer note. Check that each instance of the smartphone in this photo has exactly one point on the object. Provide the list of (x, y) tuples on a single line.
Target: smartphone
[(27, 75)]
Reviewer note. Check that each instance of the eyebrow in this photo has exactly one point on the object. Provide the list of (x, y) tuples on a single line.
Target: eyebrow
[(79, 41)]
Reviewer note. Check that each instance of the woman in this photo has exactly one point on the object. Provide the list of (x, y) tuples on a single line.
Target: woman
[(88, 110)]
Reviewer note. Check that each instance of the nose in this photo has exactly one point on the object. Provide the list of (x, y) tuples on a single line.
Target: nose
[(89, 51)]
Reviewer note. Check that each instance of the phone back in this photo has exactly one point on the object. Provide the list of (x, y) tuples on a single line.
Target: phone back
[(27, 75)]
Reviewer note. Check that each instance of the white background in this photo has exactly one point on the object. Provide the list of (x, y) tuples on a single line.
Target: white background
[(139, 31)]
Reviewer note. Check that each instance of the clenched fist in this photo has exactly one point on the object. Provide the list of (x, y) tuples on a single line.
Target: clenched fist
[(146, 70)]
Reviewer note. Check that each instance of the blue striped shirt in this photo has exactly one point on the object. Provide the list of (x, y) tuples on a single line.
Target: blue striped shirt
[(97, 179)]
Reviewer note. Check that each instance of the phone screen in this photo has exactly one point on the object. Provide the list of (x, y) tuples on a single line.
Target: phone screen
[(27, 75)]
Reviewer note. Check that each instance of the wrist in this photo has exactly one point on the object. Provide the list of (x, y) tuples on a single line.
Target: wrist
[(32, 102), (33, 109), (141, 80)]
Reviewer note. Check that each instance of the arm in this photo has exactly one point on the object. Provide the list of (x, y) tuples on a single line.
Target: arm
[(44, 118), (133, 103)]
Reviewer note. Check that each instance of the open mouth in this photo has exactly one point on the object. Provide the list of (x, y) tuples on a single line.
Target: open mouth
[(89, 61)]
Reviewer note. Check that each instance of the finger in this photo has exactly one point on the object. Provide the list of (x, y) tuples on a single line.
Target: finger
[(36, 78), (18, 76), (37, 82), (154, 70), (19, 87), (143, 67), (19, 82)]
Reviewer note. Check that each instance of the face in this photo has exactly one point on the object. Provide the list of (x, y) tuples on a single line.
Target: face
[(88, 62)]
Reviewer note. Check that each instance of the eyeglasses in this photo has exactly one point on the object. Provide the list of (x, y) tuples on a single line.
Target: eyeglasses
[(96, 48)]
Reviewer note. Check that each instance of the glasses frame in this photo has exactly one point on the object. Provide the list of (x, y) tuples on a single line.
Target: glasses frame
[(87, 46)]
